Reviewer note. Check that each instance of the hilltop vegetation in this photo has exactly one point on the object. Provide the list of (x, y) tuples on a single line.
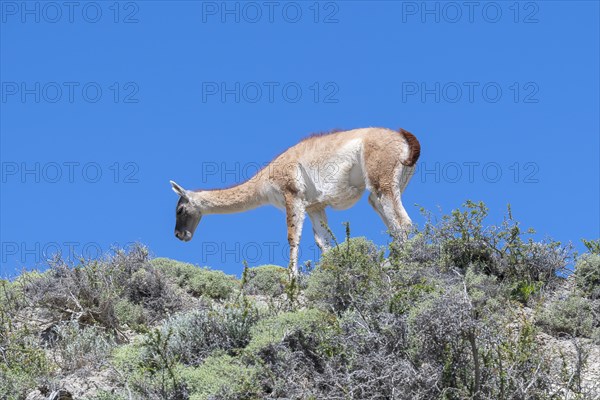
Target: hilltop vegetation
[(461, 310)]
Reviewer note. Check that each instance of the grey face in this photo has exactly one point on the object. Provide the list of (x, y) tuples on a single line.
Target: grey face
[(187, 219), (187, 213)]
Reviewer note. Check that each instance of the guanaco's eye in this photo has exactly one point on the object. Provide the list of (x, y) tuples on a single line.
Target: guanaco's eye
[(179, 210)]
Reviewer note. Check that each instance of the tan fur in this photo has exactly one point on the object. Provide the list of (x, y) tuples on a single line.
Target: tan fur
[(324, 170)]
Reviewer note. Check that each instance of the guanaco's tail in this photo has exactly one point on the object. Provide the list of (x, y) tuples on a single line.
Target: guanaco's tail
[(414, 148)]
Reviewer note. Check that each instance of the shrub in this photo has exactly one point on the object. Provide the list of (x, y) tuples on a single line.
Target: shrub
[(10, 300), (476, 342), (370, 362), (195, 335), (127, 357), (130, 315), (348, 275), (273, 330), (81, 348), (148, 368), (89, 292), (572, 315), (438, 324), (197, 281), (149, 288), (294, 348), (417, 252), (524, 290), (23, 365), (222, 377), (108, 395), (503, 251), (83, 292), (405, 297), (463, 240), (130, 363), (153, 365), (593, 246), (267, 280), (514, 365), (587, 275), (12, 296), (540, 263)]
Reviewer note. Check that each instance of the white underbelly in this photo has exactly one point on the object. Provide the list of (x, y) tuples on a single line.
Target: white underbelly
[(338, 183), (350, 197)]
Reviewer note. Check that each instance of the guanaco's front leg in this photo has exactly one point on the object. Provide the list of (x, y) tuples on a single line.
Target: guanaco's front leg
[(295, 218)]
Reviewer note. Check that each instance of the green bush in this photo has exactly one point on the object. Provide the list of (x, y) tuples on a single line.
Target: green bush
[(293, 347), (148, 368), (197, 281), (151, 289), (572, 315), (267, 280), (587, 275), (152, 366), (13, 294), (109, 395), (439, 322), (11, 298), (127, 357), (523, 290), (130, 315), (464, 241), (593, 246), (23, 363), (404, 298), (222, 377), (90, 290), (471, 335), (131, 364), (504, 251), (82, 347), (348, 275), (273, 330), (195, 335)]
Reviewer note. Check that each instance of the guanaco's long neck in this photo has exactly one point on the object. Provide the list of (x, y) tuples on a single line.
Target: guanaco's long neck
[(245, 196)]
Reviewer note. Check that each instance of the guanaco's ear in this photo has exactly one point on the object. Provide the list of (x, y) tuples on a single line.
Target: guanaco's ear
[(179, 190)]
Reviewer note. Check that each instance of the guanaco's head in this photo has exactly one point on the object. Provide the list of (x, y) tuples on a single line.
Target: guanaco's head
[(188, 214)]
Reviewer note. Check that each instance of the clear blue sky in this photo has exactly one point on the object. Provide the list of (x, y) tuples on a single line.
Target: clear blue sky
[(103, 104)]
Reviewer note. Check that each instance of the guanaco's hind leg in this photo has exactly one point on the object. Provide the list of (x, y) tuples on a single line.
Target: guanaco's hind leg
[(378, 207), (406, 173), (404, 220), (318, 218), (403, 175), (390, 211), (388, 204)]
